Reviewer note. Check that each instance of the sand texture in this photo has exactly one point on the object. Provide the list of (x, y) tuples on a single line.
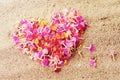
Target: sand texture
[(103, 17)]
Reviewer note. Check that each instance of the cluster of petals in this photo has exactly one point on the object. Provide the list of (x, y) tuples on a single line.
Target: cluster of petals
[(51, 44)]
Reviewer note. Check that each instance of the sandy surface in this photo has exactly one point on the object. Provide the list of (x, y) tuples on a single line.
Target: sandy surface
[(103, 17)]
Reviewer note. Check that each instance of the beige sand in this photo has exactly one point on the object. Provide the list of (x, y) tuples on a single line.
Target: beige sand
[(104, 32)]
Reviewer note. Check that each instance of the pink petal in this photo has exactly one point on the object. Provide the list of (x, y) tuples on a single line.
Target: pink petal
[(65, 11), (75, 12), (61, 63), (80, 18), (15, 38), (69, 43), (23, 21), (28, 36), (36, 56), (35, 31), (68, 55), (92, 48), (112, 52), (73, 39), (65, 49), (46, 29), (45, 51), (56, 21), (45, 62), (40, 54), (92, 63)]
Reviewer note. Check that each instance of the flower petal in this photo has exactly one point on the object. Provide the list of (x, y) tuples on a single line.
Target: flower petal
[(45, 62), (92, 48)]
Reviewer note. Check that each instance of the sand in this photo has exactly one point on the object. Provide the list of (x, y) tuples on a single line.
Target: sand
[(103, 17)]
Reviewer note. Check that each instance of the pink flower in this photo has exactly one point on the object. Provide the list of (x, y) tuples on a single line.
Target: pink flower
[(45, 62), (73, 39), (54, 61), (60, 29), (65, 50), (23, 22), (45, 51), (112, 54), (80, 18), (40, 54), (46, 29), (75, 12), (66, 11), (60, 63), (93, 62), (15, 38), (68, 55), (92, 48), (36, 56), (69, 43), (55, 18)]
